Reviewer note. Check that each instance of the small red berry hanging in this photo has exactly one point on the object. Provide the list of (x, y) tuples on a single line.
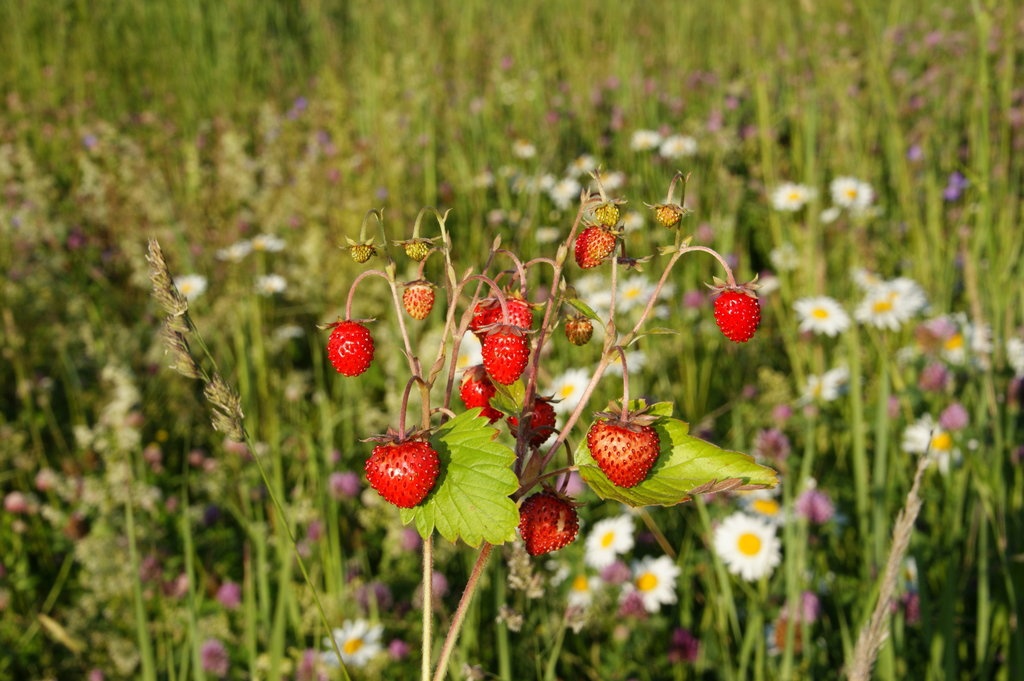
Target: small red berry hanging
[(593, 245), (418, 298), (403, 471), (350, 347), (547, 522), (737, 311), (624, 448)]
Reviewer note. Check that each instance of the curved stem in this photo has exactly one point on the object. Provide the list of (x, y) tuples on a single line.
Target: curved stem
[(520, 270), (352, 290), (460, 611), (362, 226)]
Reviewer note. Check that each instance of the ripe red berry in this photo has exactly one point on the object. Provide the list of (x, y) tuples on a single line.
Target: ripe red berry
[(738, 314), (625, 451), (350, 348), (506, 351), (542, 422), (418, 299), (488, 311), (579, 330), (593, 245), (476, 390), (403, 472), (547, 522)]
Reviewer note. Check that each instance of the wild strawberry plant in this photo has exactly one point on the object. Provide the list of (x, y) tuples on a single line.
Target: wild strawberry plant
[(454, 473)]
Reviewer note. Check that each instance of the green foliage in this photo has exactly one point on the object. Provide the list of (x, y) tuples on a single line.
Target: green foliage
[(470, 501), (686, 466)]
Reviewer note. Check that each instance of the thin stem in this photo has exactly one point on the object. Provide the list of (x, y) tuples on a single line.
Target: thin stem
[(352, 290), (428, 596), (460, 612)]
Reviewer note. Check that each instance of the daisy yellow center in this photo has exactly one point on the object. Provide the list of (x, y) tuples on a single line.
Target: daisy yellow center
[(646, 581), (766, 506), (882, 306), (749, 544), (580, 583), (955, 342), (607, 539), (794, 196), (942, 442), (352, 646), (567, 391), (851, 193), (631, 293), (820, 313)]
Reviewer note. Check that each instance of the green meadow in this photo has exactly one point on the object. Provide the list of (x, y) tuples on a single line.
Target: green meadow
[(189, 188)]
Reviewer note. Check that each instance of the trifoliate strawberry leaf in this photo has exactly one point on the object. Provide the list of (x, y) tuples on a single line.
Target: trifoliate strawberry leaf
[(470, 500), (686, 466)]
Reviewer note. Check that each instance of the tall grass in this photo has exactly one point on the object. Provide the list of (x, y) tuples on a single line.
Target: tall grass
[(203, 124)]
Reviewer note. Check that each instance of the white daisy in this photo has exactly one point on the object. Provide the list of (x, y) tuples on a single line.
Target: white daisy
[(925, 436), (581, 590), (969, 341), (633, 291), (830, 215), (852, 194), (523, 149), (827, 387), (568, 389), (644, 140), (654, 579), (583, 164), (235, 252), (678, 146), (358, 642), (748, 546), (632, 221), (470, 353), (865, 279), (784, 258), (609, 539), (191, 285), (790, 197), (764, 504), (1015, 355), (821, 315), (612, 179), (269, 284), (891, 304), (565, 192), (267, 243)]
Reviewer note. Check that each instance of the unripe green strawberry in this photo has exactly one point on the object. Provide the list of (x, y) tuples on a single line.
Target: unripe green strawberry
[(506, 352), (350, 348), (547, 522), (624, 450), (403, 472), (579, 330), (668, 214), (738, 314), (417, 249), (418, 299), (607, 214), (362, 252), (593, 245)]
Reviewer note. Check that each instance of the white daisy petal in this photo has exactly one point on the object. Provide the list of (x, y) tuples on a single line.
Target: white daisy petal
[(748, 546)]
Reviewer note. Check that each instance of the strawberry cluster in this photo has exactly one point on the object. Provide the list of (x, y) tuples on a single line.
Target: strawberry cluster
[(624, 443)]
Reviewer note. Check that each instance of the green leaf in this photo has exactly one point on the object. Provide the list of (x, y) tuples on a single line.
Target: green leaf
[(687, 466), (583, 308), (509, 398), (470, 500)]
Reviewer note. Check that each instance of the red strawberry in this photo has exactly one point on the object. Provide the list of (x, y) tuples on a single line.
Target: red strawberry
[(488, 311), (350, 348), (403, 472), (579, 329), (418, 298), (476, 390), (738, 314), (506, 351), (547, 522), (542, 422), (625, 450), (593, 245)]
